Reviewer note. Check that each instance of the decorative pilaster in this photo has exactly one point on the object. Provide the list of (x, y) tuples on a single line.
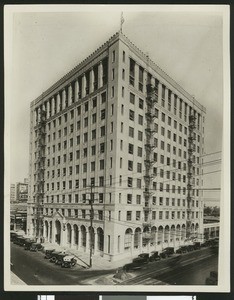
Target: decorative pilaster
[(84, 83), (91, 81), (100, 75)]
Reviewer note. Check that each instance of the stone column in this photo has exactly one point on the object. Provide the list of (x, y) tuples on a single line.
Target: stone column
[(95, 242), (48, 109), (72, 237), (136, 73), (156, 239), (49, 232), (144, 81), (159, 92), (63, 99), (172, 101), (140, 242), (53, 232), (83, 92), (152, 81), (132, 243), (166, 95), (39, 114), (87, 241), (76, 90), (43, 234), (58, 100), (100, 75), (79, 239), (91, 81), (69, 95), (52, 107), (36, 116)]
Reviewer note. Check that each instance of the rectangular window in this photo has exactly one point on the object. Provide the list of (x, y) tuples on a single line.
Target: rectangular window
[(131, 132), (132, 98), (102, 164), (140, 119), (140, 135), (131, 115), (102, 131), (130, 148)]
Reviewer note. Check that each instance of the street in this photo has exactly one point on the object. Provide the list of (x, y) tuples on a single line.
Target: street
[(33, 269), (190, 269)]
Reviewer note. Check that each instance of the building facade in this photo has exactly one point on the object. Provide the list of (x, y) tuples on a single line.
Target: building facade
[(12, 193), (21, 191), (116, 151)]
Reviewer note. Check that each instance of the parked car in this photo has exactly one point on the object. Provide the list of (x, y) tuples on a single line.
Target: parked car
[(143, 257), (167, 252), (59, 258), (13, 235), (48, 253), (17, 239), (182, 249), (137, 262), (68, 261), (190, 248), (36, 247), (197, 245), (54, 256), (154, 256), (28, 244)]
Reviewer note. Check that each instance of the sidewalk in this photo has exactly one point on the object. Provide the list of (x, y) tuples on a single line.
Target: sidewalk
[(98, 262), (15, 280)]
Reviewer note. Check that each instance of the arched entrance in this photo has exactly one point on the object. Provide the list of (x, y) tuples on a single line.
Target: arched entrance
[(167, 234), (153, 236), (146, 236), (69, 235), (137, 238), (178, 233), (173, 234), (76, 236), (100, 239), (57, 232), (160, 235), (83, 236), (128, 240), (183, 232)]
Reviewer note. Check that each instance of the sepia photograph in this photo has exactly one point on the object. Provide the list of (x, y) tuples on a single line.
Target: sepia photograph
[(117, 135)]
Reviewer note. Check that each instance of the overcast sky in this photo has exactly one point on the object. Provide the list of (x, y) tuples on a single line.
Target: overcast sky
[(46, 45)]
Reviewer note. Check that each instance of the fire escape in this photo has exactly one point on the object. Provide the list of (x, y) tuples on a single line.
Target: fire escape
[(191, 149), (40, 162), (151, 99)]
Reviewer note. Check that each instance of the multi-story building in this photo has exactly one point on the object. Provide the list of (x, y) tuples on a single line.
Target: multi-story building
[(12, 193), (118, 142), (21, 192)]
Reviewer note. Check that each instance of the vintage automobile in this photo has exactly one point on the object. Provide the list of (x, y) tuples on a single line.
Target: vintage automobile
[(68, 261), (137, 262), (13, 235), (154, 256), (59, 258), (197, 245), (48, 253), (17, 239), (36, 247), (21, 240), (166, 252), (28, 243), (190, 248), (54, 256), (182, 249)]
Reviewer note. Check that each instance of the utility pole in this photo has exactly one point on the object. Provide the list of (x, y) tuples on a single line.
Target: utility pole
[(91, 226)]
